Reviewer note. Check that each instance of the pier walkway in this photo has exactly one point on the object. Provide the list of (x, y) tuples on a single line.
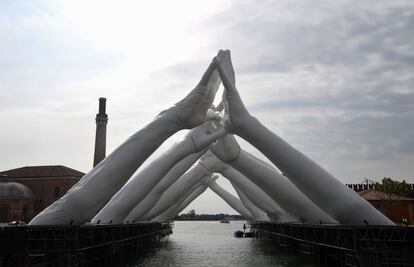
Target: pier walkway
[(66, 245), (343, 245)]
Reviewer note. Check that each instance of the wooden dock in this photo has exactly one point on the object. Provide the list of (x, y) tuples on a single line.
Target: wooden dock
[(66, 245), (340, 245)]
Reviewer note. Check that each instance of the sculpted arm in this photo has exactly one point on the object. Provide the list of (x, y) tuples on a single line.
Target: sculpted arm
[(257, 213), (190, 198), (138, 187), (280, 189), (342, 203), (233, 201), (256, 195), (176, 191), (85, 198), (152, 197), (184, 201), (174, 209)]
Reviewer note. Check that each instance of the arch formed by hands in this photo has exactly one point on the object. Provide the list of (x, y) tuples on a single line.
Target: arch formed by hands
[(305, 193)]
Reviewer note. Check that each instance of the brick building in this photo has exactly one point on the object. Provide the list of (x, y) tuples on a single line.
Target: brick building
[(26, 191), (393, 206)]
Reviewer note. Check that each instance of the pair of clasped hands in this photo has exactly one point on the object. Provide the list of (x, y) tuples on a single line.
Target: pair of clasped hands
[(209, 127)]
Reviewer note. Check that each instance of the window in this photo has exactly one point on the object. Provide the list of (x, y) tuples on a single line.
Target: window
[(57, 192), (4, 214)]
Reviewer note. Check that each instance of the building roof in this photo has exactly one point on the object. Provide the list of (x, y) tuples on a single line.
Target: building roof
[(373, 194), (11, 189), (42, 171)]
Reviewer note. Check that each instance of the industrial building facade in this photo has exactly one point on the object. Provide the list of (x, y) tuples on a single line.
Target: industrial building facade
[(26, 191)]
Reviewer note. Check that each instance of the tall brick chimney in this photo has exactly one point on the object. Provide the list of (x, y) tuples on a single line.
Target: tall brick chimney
[(100, 137)]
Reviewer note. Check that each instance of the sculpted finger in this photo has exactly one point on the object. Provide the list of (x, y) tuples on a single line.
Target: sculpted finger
[(214, 177), (212, 115), (217, 134), (228, 85), (213, 85), (220, 106), (207, 74), (226, 63), (212, 184)]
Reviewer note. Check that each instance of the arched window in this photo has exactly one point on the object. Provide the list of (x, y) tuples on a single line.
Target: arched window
[(4, 214), (24, 214), (57, 192)]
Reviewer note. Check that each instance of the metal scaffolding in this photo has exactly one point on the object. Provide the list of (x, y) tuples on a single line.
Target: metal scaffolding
[(65, 245), (343, 245)]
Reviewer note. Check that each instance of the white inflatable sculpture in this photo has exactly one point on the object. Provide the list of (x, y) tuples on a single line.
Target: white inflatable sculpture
[(280, 189), (339, 201), (138, 187), (170, 178), (257, 213), (84, 200), (190, 198), (256, 195), (173, 194), (308, 193), (233, 201), (175, 207), (187, 201)]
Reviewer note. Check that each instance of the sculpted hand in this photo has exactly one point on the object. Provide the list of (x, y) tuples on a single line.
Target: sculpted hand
[(212, 163), (203, 135), (227, 149), (213, 115), (235, 111), (210, 179), (191, 111)]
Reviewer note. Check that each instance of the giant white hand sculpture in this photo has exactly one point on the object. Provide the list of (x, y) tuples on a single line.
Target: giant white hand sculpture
[(174, 192), (152, 197), (341, 202), (257, 213), (176, 207), (280, 189), (189, 199), (138, 187), (233, 201), (85, 198), (258, 197)]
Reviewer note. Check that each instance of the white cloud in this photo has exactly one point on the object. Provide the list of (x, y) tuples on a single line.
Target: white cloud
[(333, 78)]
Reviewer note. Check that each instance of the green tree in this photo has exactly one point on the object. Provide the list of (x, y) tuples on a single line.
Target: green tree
[(191, 213), (389, 190), (392, 188)]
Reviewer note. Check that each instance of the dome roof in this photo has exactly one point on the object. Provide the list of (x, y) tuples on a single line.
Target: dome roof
[(11, 189)]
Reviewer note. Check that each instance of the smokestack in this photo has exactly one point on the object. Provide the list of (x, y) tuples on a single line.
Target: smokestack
[(100, 137)]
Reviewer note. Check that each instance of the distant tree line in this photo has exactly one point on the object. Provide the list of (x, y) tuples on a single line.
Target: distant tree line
[(192, 216), (393, 188)]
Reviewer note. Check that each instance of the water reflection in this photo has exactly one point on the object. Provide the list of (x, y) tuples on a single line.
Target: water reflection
[(213, 244)]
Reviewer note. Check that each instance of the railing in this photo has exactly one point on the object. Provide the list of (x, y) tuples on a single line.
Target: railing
[(347, 245), (64, 245)]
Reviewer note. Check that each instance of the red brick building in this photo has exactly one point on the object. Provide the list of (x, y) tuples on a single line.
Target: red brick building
[(26, 191), (394, 207)]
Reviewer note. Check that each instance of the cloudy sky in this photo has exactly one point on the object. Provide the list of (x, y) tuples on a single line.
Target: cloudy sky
[(333, 78)]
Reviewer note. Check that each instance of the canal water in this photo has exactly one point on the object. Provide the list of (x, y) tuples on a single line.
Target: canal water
[(202, 243)]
